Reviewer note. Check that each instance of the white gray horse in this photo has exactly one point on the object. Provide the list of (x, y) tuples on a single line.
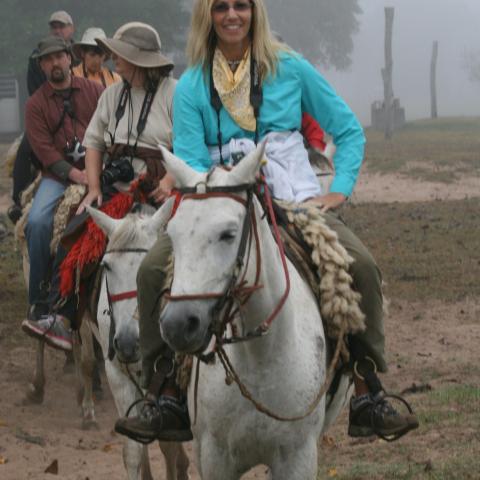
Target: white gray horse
[(283, 370), (118, 332)]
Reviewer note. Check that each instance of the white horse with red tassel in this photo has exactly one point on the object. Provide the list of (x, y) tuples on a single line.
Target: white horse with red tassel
[(129, 240)]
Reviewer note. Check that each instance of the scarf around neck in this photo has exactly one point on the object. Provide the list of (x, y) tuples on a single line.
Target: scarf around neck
[(234, 89)]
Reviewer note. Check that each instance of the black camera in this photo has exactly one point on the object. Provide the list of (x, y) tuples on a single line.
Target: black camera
[(118, 170), (75, 151)]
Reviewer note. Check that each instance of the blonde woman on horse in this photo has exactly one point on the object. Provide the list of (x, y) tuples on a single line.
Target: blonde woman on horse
[(244, 86)]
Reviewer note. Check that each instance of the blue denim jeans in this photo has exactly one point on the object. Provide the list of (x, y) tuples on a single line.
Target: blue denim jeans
[(38, 232)]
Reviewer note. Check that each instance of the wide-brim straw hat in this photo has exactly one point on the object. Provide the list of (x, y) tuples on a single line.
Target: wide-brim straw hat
[(89, 40), (139, 44)]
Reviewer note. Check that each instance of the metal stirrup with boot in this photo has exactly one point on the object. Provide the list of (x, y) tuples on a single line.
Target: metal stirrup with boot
[(372, 413), (162, 417)]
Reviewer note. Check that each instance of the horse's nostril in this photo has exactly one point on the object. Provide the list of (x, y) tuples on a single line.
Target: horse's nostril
[(193, 324)]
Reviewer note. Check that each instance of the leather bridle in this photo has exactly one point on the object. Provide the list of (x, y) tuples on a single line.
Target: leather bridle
[(117, 298), (237, 292)]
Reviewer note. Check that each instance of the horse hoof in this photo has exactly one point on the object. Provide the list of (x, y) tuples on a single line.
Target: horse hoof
[(33, 397), (90, 425)]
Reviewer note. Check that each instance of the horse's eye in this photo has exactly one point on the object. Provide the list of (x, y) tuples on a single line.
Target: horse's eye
[(227, 236)]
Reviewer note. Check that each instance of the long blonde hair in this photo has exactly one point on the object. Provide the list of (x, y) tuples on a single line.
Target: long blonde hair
[(202, 39)]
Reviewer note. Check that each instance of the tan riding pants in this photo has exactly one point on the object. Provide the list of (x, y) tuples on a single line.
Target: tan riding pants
[(366, 276)]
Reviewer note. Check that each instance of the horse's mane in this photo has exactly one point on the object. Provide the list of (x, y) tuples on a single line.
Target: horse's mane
[(128, 233)]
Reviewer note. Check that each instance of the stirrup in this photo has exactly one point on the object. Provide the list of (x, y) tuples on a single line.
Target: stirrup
[(394, 436), (139, 438)]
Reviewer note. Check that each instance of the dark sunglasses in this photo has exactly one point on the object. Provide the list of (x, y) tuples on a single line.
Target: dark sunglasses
[(224, 7)]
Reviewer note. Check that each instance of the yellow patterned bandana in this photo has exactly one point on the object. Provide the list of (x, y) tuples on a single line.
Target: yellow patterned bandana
[(234, 89)]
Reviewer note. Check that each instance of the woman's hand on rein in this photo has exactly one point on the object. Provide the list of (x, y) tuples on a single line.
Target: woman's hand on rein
[(330, 201), (92, 196), (164, 189)]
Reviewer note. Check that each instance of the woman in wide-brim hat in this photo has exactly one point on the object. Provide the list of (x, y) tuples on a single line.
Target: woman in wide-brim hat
[(92, 57), (136, 51)]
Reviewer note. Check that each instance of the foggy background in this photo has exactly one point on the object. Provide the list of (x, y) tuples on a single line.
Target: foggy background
[(454, 23), (329, 32)]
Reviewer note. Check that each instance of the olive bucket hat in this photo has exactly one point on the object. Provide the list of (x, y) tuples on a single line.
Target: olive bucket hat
[(51, 44), (139, 44)]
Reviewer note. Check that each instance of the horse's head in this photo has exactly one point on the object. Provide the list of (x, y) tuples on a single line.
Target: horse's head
[(206, 233), (129, 240)]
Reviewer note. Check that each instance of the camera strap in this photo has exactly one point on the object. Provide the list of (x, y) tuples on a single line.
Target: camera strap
[(142, 119), (67, 109), (256, 99)]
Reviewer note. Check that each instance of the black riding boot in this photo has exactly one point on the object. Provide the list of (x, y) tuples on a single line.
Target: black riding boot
[(162, 417), (372, 413)]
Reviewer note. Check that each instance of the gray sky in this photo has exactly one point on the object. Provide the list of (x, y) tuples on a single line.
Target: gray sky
[(454, 23)]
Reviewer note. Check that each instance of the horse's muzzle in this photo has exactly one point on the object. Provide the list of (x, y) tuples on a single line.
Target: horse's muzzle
[(127, 348), (184, 326)]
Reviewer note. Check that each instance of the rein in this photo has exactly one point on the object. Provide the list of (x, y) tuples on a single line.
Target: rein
[(117, 298)]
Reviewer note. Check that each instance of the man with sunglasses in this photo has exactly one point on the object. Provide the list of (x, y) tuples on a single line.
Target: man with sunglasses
[(92, 58)]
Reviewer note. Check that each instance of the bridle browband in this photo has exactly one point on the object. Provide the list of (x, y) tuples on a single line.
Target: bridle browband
[(237, 292), (117, 298)]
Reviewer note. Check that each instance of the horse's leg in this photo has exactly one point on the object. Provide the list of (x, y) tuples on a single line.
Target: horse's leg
[(296, 463), (124, 394), (69, 365), (176, 460), (36, 388), (183, 462), (214, 464), (86, 365), (145, 466)]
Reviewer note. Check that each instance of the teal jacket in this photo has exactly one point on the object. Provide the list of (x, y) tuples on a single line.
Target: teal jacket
[(296, 87)]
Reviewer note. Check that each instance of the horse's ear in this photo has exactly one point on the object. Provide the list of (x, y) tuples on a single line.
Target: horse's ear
[(161, 217), (184, 175), (247, 169), (106, 223)]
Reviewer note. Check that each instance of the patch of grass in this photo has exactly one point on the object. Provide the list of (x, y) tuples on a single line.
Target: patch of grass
[(373, 471), (445, 447), (439, 149), (425, 250), (463, 467)]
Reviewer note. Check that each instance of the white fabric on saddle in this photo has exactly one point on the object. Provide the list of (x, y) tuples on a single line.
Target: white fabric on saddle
[(288, 172)]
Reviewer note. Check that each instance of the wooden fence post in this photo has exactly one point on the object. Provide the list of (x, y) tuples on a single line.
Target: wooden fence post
[(388, 71), (433, 80)]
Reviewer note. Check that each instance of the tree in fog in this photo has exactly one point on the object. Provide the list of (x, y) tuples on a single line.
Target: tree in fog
[(25, 22), (471, 63), (322, 30)]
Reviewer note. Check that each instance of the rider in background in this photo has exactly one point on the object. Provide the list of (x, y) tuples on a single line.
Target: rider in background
[(216, 120), (128, 145), (56, 118), (61, 25), (92, 58)]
